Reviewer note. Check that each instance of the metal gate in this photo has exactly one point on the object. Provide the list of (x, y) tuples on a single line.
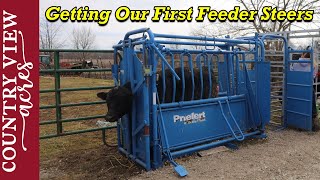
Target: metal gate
[(280, 69), (298, 95), (57, 72)]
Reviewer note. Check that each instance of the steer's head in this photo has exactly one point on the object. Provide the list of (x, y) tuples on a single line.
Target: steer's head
[(119, 100)]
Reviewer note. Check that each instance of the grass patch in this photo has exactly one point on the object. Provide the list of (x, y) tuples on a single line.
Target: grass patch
[(71, 97), (53, 149)]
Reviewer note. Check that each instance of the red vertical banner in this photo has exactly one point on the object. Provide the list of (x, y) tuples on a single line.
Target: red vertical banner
[(19, 37)]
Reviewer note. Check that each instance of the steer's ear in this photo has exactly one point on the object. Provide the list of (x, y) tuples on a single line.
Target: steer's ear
[(102, 95)]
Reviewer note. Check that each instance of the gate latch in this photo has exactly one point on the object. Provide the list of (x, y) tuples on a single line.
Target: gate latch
[(147, 70)]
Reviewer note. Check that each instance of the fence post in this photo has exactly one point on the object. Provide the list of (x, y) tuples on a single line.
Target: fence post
[(57, 91)]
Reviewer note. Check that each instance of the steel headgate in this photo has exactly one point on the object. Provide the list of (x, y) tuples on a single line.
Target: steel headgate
[(157, 130)]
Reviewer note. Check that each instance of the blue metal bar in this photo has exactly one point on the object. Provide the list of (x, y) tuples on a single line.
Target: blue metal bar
[(137, 86), (253, 108), (225, 118), (165, 61), (222, 93), (296, 84), (192, 74), (300, 61), (188, 43), (236, 41), (133, 158), (226, 57), (249, 61), (299, 51), (299, 99), (157, 161), (137, 31), (238, 74), (173, 79), (125, 44), (199, 64), (162, 125), (295, 112), (182, 75), (208, 146), (156, 141), (234, 120), (231, 67), (147, 151), (123, 80), (210, 78), (138, 129), (148, 89), (163, 81), (201, 101), (191, 51), (130, 78)]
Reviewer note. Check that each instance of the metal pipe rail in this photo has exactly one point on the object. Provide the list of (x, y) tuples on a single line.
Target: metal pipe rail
[(56, 72), (72, 119), (75, 70), (236, 41), (76, 89), (103, 129), (73, 104), (77, 50), (189, 43)]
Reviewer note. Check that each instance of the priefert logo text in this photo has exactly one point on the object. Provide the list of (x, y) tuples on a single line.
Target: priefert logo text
[(190, 117)]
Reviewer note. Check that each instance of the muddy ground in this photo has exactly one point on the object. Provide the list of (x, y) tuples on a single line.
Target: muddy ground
[(286, 154)]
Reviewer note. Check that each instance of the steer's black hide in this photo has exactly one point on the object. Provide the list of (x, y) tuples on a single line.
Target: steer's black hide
[(188, 85)]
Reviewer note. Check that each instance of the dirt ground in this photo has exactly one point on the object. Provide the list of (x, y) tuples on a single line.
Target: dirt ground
[(286, 154)]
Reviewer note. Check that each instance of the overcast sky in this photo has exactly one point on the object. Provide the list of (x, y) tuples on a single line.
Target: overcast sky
[(108, 35)]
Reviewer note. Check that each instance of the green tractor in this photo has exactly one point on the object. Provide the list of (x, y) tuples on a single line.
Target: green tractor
[(44, 61)]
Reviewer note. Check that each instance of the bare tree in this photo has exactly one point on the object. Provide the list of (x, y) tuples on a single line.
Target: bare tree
[(50, 35), (241, 29), (83, 38)]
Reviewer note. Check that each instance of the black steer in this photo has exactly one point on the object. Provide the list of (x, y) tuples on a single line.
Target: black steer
[(119, 99), (188, 85)]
